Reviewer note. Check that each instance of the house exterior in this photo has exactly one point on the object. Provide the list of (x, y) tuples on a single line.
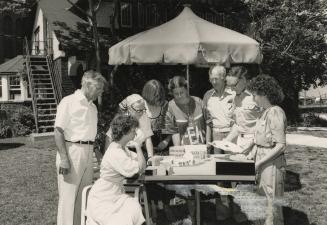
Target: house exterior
[(61, 45), (14, 87)]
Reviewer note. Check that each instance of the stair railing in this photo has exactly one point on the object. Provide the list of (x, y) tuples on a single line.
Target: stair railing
[(55, 78), (31, 81)]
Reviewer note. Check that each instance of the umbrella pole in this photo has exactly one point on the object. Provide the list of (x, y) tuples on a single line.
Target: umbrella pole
[(188, 77)]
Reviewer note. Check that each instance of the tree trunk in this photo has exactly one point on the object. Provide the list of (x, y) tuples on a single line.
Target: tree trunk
[(95, 36)]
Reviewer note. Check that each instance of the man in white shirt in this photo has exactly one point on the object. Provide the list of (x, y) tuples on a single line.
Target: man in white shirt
[(75, 131), (246, 111)]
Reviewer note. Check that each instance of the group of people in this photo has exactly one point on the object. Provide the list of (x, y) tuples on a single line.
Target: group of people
[(237, 108)]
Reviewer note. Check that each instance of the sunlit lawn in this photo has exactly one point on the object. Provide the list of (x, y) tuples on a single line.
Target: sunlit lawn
[(28, 188)]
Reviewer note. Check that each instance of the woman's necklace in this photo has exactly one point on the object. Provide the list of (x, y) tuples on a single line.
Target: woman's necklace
[(155, 111)]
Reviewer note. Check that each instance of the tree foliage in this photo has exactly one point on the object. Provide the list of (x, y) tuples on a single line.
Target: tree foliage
[(292, 36), (14, 6)]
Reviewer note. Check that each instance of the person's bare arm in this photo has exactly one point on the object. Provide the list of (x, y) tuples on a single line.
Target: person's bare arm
[(208, 134), (140, 156), (276, 151), (64, 166), (176, 139), (232, 134), (149, 146)]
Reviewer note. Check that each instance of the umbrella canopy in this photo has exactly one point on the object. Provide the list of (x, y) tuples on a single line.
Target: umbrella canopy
[(186, 39)]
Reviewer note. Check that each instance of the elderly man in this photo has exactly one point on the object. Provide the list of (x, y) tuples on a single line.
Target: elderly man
[(75, 131), (218, 112), (218, 106), (246, 110)]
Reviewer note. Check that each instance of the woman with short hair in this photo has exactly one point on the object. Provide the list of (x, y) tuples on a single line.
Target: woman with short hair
[(270, 143), (184, 118), (107, 202)]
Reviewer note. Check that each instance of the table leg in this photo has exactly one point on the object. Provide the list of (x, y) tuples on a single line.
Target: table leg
[(198, 210), (146, 207)]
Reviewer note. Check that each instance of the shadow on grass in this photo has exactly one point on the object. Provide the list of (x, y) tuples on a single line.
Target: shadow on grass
[(292, 216), (7, 146), (292, 181)]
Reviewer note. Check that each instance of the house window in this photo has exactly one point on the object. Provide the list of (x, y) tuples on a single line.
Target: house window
[(37, 40), (220, 19), (210, 17), (7, 25), (14, 88), (8, 49), (150, 15), (140, 13), (0, 87), (126, 14)]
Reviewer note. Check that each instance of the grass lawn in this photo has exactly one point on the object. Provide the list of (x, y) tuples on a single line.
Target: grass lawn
[(28, 183)]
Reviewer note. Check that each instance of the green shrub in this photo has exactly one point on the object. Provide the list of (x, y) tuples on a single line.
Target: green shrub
[(20, 120)]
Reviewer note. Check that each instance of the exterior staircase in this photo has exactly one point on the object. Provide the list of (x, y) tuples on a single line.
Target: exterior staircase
[(43, 92)]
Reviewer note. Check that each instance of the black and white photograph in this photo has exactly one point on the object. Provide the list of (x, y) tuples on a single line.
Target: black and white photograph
[(163, 112)]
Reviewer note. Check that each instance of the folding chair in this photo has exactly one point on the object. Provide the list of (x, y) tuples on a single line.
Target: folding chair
[(85, 194)]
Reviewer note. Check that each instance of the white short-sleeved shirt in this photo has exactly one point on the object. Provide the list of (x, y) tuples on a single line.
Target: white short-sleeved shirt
[(143, 132), (77, 117)]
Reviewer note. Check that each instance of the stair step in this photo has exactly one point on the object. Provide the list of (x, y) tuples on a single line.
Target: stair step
[(43, 88), (40, 72), (40, 99), (42, 127), (39, 63), (43, 115), (46, 121), (46, 74), (40, 79), (49, 103)]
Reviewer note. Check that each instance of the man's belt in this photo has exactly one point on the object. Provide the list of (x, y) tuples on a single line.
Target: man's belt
[(82, 142)]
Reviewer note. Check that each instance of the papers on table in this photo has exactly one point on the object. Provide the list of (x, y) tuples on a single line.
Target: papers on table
[(227, 146)]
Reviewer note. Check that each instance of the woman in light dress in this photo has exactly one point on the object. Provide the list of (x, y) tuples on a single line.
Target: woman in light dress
[(270, 143), (107, 202)]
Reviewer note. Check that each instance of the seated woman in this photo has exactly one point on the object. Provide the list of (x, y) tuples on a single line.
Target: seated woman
[(107, 202), (134, 105)]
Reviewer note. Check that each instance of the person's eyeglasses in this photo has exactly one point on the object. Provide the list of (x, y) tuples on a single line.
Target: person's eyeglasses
[(216, 79), (139, 110)]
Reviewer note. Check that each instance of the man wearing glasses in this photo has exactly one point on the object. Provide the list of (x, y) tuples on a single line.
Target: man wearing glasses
[(218, 107)]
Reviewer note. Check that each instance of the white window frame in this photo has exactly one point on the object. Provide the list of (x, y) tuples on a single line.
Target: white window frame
[(140, 15), (220, 19), (1, 88), (122, 14), (150, 8), (17, 88), (210, 17)]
